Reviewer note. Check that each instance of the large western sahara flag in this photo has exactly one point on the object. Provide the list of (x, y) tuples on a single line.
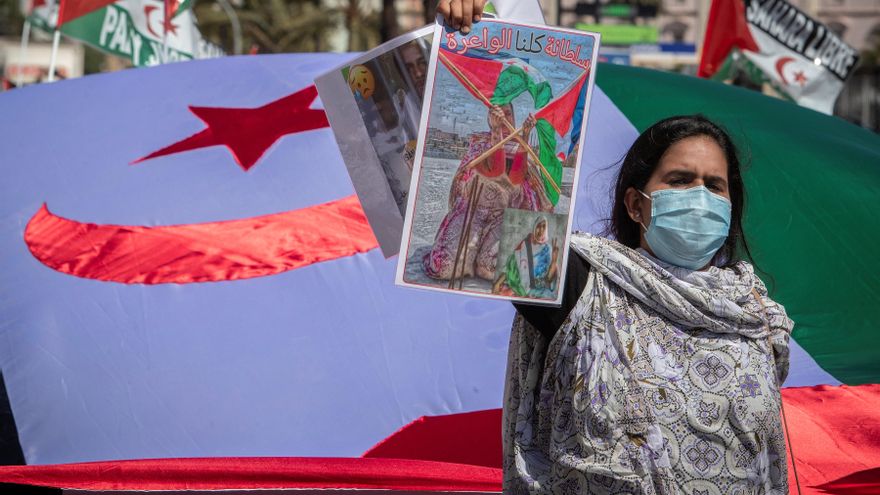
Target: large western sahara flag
[(140, 321)]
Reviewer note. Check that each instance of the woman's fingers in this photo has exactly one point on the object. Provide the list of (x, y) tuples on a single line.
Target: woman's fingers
[(478, 9), (443, 8), (467, 15), (461, 14), (454, 18)]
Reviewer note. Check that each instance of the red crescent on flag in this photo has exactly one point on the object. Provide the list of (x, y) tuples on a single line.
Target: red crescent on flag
[(148, 9), (204, 252), (780, 64)]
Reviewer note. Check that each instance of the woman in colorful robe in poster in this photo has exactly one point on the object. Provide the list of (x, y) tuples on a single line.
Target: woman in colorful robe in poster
[(478, 196)]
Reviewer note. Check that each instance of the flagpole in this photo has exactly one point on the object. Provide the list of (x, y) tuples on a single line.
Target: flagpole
[(55, 41), (510, 127), (22, 53)]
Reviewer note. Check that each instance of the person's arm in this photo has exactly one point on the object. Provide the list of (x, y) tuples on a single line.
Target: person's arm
[(547, 319), (554, 258), (521, 160), (460, 14)]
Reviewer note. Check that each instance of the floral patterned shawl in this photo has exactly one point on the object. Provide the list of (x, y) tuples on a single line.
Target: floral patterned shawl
[(662, 380)]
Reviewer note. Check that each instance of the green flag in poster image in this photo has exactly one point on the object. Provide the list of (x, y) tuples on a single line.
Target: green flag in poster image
[(133, 29), (800, 57)]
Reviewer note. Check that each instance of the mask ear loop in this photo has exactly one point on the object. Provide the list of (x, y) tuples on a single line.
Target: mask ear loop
[(640, 215)]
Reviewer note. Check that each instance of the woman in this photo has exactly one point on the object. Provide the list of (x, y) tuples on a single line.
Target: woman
[(482, 188), (661, 372)]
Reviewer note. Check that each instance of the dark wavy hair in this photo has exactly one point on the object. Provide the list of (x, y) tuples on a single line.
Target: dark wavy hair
[(642, 159)]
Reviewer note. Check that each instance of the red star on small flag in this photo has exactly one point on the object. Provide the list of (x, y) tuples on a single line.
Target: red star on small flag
[(800, 78), (250, 132), (169, 27), (170, 10)]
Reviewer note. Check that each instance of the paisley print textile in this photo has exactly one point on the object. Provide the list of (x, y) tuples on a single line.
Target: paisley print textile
[(662, 380)]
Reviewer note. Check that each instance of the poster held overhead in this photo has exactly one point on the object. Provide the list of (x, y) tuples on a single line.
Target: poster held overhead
[(489, 209)]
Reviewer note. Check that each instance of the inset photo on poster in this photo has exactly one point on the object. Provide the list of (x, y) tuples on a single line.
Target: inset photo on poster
[(529, 262), (374, 106), (388, 91), (506, 109)]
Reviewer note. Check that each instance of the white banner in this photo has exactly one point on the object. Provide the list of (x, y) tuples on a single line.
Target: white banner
[(135, 29), (801, 56)]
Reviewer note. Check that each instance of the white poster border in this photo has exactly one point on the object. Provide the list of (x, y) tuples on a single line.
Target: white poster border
[(419, 158), (358, 153)]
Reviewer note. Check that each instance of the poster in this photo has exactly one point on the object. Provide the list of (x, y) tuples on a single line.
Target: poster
[(373, 104), (489, 208)]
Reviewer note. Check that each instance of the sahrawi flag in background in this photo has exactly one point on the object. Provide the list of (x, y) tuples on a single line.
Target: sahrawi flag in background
[(139, 30), (271, 356), (775, 41)]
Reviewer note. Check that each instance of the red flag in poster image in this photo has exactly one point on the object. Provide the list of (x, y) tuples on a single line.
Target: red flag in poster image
[(800, 57), (559, 113)]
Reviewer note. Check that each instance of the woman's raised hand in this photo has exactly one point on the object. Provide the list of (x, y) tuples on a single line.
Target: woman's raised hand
[(528, 125), (460, 14)]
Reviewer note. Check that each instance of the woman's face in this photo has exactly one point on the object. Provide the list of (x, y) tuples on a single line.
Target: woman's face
[(691, 162), (540, 233)]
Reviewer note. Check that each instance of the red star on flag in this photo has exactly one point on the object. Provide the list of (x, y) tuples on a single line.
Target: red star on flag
[(170, 10), (169, 26), (800, 78), (250, 132)]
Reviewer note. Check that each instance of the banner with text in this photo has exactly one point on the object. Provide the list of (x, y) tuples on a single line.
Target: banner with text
[(799, 56), (136, 30)]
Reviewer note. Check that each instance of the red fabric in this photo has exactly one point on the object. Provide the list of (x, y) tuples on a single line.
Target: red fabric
[(467, 438), (249, 132), (726, 28), (560, 111), (69, 10), (518, 168), (481, 73), (206, 252), (258, 472), (865, 482), (835, 436), (35, 4)]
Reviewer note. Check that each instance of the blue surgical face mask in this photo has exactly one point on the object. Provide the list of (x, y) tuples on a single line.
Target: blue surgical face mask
[(688, 226)]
